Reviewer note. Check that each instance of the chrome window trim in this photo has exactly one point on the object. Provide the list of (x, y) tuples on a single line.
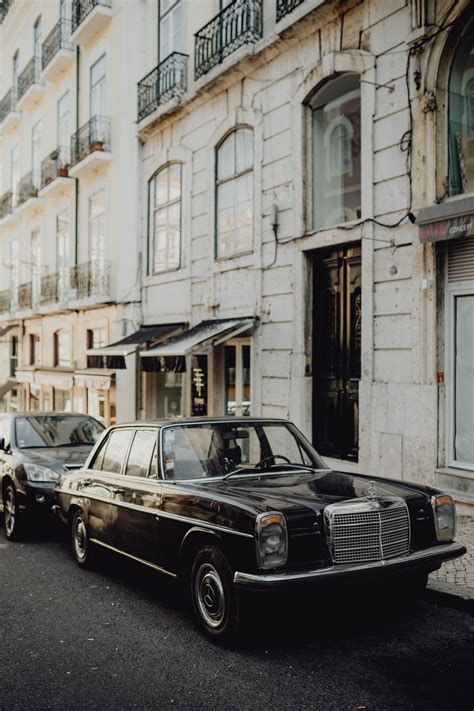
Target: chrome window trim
[(157, 513)]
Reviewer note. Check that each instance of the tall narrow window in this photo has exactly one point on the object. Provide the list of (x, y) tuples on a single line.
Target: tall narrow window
[(36, 154), (64, 132), (98, 88), (234, 198), (336, 135), (35, 266), (62, 348), (62, 253), (170, 28), (15, 72), (237, 378), (461, 115), (97, 227), (14, 271), (37, 48), (165, 217), (15, 172)]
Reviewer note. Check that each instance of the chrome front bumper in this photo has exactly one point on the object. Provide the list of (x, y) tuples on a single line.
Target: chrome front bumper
[(419, 559)]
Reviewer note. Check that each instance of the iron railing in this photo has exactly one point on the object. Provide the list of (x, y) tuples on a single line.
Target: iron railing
[(82, 8), (5, 301), (6, 204), (166, 80), (5, 5), (91, 279), (29, 76), (92, 136), (25, 296), (237, 24), (28, 187), (55, 287), (7, 104), (57, 39), (284, 7), (56, 165)]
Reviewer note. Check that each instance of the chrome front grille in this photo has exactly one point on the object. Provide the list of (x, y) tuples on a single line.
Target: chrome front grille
[(367, 530)]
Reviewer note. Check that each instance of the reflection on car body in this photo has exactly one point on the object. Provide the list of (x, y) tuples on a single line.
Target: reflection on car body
[(231, 503)]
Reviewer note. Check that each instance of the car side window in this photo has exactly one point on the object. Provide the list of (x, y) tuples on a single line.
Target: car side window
[(139, 457), (116, 450), (96, 463), (154, 464)]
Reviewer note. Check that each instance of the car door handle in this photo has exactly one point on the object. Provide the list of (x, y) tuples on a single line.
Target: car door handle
[(118, 491)]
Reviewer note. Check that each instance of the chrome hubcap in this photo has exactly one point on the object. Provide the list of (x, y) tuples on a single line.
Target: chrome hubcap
[(9, 512), (80, 539), (210, 595)]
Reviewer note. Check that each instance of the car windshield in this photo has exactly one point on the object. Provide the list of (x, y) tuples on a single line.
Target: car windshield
[(56, 431), (204, 450)]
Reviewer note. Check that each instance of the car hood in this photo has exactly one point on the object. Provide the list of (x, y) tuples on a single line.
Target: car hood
[(313, 490), (57, 458)]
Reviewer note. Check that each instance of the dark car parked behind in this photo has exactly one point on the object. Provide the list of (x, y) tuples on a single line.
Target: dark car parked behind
[(35, 449)]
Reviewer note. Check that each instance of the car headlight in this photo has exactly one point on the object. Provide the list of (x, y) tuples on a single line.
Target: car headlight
[(36, 472), (444, 514), (272, 540)]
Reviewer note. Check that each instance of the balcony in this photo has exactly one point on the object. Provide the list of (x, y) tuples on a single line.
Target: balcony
[(88, 18), (57, 51), (90, 146), (91, 281), (164, 82), (237, 24), (55, 173), (284, 7), (7, 203), (54, 291), (4, 302), (28, 199), (5, 5), (30, 86), (9, 114), (25, 297)]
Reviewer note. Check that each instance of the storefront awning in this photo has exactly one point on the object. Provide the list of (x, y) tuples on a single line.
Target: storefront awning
[(212, 332), (95, 379), (446, 221), (113, 355)]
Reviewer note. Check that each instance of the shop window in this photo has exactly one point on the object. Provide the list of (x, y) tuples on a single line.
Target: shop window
[(62, 400), (336, 142), (237, 378), (35, 393), (96, 403), (461, 115), (165, 219), (234, 194), (13, 355)]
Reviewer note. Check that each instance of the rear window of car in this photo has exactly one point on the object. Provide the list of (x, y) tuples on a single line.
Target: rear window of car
[(141, 452), (115, 451)]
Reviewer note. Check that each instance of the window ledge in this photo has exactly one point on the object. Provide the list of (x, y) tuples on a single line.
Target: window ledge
[(233, 261), (168, 277)]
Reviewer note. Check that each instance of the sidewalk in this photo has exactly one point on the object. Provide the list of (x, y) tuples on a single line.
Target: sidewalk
[(457, 576)]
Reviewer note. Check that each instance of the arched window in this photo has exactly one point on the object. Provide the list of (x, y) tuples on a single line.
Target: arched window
[(336, 152), (165, 219), (461, 115), (234, 194)]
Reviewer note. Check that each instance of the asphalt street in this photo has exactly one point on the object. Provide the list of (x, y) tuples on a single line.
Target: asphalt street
[(122, 637)]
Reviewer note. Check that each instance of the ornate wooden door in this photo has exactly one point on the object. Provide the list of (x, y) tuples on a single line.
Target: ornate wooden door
[(336, 351)]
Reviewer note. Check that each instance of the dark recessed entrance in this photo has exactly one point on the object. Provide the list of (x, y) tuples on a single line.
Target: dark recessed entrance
[(336, 351)]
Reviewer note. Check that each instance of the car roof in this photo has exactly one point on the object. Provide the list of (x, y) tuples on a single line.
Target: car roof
[(47, 413), (198, 420)]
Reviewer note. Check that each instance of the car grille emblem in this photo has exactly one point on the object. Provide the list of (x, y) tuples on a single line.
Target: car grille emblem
[(371, 490)]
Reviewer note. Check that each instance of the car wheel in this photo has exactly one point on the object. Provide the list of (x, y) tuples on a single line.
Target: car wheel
[(11, 519), (81, 544), (214, 598)]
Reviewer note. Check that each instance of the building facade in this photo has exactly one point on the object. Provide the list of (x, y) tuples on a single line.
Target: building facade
[(68, 270), (301, 221)]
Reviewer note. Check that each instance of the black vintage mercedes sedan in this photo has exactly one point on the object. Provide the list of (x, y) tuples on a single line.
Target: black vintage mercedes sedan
[(231, 503), (35, 448)]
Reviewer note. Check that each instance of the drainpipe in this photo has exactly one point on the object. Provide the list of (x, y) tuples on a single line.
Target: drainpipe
[(76, 200)]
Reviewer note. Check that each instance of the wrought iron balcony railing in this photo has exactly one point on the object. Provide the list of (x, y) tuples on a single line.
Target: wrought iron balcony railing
[(55, 287), (57, 39), (30, 75), (25, 296), (56, 165), (28, 187), (82, 8), (92, 136), (5, 301), (166, 80), (6, 204), (284, 7), (5, 5), (237, 24), (7, 104), (91, 279)]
